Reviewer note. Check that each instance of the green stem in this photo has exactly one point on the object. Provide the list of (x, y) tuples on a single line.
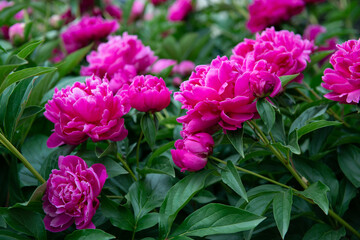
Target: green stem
[(251, 172), (11, 148), (344, 223), (296, 193), (138, 149), (126, 166), (277, 153)]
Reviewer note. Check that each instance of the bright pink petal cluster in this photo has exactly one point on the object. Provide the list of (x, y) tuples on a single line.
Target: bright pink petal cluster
[(86, 110), (71, 194), (121, 59), (178, 10), (191, 152), (85, 31), (264, 13), (148, 94), (284, 52), (114, 11), (16, 32), (216, 96), (344, 79)]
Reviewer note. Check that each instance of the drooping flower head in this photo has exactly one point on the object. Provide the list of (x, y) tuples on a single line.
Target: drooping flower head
[(85, 31), (191, 152), (121, 58), (264, 13), (215, 97), (178, 10), (148, 94), (284, 52), (71, 194), (344, 79), (86, 110)]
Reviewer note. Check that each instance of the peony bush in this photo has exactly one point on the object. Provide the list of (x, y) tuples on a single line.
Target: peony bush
[(179, 119)]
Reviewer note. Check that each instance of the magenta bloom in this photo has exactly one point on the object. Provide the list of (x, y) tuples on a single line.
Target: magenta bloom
[(148, 94), (162, 64), (344, 79), (114, 11), (312, 31), (264, 13), (178, 10), (184, 68), (5, 4), (157, 2), (191, 152), (123, 55), (216, 96), (284, 52), (71, 194), (16, 32), (85, 31), (86, 110)]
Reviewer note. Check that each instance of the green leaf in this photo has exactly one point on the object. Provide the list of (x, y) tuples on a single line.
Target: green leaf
[(317, 193), (127, 11), (216, 218), (266, 112), (293, 144), (11, 235), (324, 232), (25, 221), (236, 139), (119, 216), (28, 48), (177, 197), (282, 204), (317, 57), (12, 63), (171, 48), (147, 221), (307, 115), (160, 150), (287, 78), (231, 177), (278, 130), (159, 165), (204, 197), (89, 234), (72, 60), (148, 128), (31, 111), (349, 161), (310, 127), (23, 74), (7, 13), (346, 194)]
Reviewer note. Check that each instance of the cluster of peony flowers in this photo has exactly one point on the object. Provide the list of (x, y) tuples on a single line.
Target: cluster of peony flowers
[(191, 152), (71, 194), (86, 110), (148, 94), (224, 93), (179, 10), (265, 13), (344, 80), (85, 31), (120, 59)]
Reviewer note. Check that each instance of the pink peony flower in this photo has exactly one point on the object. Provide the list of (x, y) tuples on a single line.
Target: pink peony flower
[(265, 13), (148, 94), (162, 64), (85, 31), (157, 2), (114, 11), (184, 68), (86, 110), (123, 55), (214, 96), (67, 16), (5, 4), (284, 52), (344, 79), (177, 81), (312, 31), (191, 152), (137, 10), (71, 194), (178, 10), (16, 32)]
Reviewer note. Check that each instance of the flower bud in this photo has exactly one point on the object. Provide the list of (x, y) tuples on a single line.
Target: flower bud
[(17, 33)]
